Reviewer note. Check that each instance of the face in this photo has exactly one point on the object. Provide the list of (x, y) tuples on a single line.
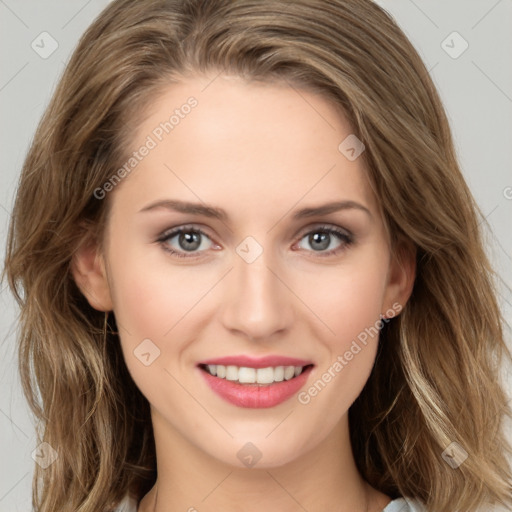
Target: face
[(256, 279)]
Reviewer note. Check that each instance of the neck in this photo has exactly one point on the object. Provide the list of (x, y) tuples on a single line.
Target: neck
[(325, 478)]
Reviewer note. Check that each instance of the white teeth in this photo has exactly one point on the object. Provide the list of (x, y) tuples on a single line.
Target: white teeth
[(231, 373), (289, 372), (279, 374), (246, 375), (264, 375)]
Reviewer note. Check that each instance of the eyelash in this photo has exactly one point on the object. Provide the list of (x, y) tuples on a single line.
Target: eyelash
[(342, 235)]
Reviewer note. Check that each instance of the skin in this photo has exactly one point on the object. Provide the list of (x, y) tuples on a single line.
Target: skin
[(261, 152)]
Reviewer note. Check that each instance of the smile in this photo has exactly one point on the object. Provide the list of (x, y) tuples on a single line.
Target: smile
[(255, 383), (248, 375)]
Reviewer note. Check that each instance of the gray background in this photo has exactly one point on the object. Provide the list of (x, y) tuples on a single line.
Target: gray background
[(476, 89)]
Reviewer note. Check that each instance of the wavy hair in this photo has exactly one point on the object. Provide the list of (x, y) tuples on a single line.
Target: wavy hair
[(435, 380)]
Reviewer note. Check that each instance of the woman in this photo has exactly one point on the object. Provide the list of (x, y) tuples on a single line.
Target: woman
[(251, 273)]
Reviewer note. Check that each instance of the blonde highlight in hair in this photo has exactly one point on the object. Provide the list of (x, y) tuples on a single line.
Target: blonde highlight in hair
[(435, 380)]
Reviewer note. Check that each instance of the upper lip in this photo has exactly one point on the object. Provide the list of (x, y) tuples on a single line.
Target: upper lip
[(257, 362)]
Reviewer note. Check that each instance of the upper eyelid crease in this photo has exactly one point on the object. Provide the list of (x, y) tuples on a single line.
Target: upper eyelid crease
[(220, 214)]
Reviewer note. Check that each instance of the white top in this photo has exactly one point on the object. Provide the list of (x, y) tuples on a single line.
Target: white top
[(398, 505)]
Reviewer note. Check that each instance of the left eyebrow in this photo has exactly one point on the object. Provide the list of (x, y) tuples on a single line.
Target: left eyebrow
[(330, 208)]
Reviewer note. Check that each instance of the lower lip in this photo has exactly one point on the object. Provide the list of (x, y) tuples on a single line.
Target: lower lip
[(256, 396)]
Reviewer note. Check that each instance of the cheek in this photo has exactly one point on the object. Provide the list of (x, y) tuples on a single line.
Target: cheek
[(348, 299), (349, 302), (149, 294), (154, 301)]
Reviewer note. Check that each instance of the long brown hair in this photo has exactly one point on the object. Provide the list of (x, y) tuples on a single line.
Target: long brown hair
[(435, 380)]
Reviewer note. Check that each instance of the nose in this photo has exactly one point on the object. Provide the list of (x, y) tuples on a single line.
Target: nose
[(258, 304)]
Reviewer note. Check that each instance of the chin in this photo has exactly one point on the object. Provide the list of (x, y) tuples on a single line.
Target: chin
[(258, 453)]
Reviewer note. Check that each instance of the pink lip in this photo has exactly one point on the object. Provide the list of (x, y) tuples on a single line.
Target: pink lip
[(256, 396), (257, 362)]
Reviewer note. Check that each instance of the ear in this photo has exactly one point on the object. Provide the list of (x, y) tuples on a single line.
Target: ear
[(401, 277), (88, 270)]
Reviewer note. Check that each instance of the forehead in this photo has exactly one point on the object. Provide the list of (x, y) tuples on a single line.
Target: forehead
[(243, 144)]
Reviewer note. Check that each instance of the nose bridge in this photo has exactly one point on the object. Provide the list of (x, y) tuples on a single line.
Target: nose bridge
[(258, 304)]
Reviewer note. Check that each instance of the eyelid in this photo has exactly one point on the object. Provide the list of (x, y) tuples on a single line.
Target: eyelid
[(344, 236), (182, 227), (323, 225), (333, 229), (172, 232)]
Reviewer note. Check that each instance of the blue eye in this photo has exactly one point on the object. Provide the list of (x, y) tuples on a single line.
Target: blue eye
[(320, 239), (189, 240)]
